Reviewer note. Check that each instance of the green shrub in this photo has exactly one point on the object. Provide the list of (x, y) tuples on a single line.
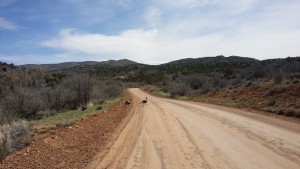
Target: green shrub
[(17, 132), (3, 149), (248, 84), (179, 89), (272, 102), (65, 123), (13, 137), (271, 92), (99, 101), (280, 112), (207, 87), (278, 77), (289, 113)]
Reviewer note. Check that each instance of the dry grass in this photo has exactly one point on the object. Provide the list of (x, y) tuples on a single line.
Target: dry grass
[(13, 137), (65, 119)]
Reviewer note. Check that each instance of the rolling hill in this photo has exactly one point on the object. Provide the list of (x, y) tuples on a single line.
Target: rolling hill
[(66, 65)]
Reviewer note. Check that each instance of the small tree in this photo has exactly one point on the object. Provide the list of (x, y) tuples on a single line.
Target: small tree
[(196, 81), (207, 87), (277, 77), (59, 98), (112, 89), (13, 137), (180, 89), (17, 133), (22, 102), (82, 85), (6, 118)]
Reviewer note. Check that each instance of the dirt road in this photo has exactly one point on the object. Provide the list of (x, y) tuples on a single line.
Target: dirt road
[(172, 134)]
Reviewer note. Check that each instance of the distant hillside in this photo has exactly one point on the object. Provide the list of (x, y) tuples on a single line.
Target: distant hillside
[(5, 66), (228, 67), (219, 58), (122, 62), (154, 73), (208, 64), (66, 65)]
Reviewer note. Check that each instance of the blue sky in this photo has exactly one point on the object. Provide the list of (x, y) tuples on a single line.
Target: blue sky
[(152, 31)]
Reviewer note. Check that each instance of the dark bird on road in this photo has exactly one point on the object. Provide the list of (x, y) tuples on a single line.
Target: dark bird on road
[(144, 101), (127, 102)]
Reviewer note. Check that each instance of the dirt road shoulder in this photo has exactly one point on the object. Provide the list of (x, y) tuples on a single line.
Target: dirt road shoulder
[(75, 146)]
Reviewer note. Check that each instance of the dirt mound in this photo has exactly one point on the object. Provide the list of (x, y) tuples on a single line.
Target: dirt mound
[(267, 97), (75, 146)]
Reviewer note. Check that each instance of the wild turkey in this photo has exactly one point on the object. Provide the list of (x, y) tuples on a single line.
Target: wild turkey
[(144, 101), (127, 102)]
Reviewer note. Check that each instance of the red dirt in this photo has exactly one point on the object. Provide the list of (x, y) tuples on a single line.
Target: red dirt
[(75, 146), (268, 97)]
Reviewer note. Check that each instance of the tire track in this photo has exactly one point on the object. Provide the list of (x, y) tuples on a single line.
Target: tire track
[(185, 135)]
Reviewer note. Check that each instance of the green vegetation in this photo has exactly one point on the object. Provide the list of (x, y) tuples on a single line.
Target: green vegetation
[(73, 85), (57, 95), (17, 135), (13, 137), (72, 115), (49, 101), (161, 94)]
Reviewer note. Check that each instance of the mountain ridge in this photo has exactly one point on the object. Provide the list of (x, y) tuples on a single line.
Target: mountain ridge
[(126, 62), (66, 65)]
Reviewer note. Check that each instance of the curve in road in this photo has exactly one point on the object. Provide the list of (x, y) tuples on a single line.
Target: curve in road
[(170, 134)]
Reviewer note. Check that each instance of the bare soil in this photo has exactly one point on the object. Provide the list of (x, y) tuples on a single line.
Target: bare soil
[(267, 97), (167, 134), (74, 146), (171, 134)]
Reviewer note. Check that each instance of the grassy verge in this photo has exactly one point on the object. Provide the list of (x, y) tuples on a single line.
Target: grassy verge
[(65, 119), (161, 94), (19, 134)]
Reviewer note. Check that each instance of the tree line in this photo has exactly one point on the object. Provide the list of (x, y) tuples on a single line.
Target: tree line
[(31, 91), (195, 84)]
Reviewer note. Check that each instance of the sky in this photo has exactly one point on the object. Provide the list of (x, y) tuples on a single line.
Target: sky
[(146, 31)]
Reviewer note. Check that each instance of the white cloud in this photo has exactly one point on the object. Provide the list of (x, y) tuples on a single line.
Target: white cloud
[(8, 58), (235, 5), (229, 5), (266, 32), (152, 47), (39, 59), (153, 16), (262, 45), (5, 24), (146, 45), (130, 43), (187, 3), (64, 55), (124, 3)]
